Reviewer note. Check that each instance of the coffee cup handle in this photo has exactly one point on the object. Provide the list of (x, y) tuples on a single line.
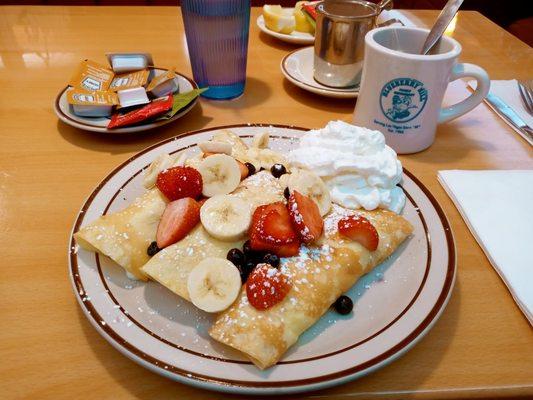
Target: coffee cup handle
[(482, 89)]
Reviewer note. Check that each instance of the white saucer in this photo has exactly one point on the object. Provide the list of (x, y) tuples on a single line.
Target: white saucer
[(294, 38), (297, 67)]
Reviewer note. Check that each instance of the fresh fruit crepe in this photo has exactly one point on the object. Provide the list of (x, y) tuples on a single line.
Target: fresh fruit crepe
[(242, 232)]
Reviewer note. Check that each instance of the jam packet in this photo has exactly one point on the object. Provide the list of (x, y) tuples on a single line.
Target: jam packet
[(163, 84), (86, 103), (150, 110), (92, 76), (129, 80)]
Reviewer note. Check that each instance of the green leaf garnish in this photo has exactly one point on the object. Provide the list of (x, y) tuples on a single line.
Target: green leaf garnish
[(180, 100)]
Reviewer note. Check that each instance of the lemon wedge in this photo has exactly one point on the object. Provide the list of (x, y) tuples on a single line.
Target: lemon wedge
[(279, 19), (301, 22)]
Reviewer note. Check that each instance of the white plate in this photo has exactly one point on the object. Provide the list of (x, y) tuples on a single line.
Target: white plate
[(99, 124), (297, 67), (295, 37), (395, 305)]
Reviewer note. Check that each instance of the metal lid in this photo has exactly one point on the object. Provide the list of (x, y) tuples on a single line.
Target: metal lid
[(349, 9)]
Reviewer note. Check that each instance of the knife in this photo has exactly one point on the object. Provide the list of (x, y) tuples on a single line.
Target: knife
[(510, 115)]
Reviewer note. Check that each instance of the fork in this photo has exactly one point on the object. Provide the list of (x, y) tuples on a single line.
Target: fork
[(526, 92)]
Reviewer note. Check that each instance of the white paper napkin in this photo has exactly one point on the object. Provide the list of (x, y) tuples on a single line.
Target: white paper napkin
[(497, 206), (508, 92)]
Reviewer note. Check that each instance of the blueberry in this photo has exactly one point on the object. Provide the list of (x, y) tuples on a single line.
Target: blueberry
[(287, 193), (343, 305), (152, 249), (249, 266), (252, 255), (277, 170), (271, 259), (243, 273), (236, 256), (245, 270), (247, 248), (251, 168)]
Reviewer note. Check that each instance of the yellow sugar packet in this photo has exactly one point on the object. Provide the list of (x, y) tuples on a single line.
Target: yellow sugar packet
[(129, 80), (92, 76)]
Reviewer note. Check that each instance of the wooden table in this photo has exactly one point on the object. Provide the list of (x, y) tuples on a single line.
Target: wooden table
[(481, 347)]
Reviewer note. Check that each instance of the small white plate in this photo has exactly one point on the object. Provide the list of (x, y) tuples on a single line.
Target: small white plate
[(297, 67), (294, 38), (395, 304), (99, 124)]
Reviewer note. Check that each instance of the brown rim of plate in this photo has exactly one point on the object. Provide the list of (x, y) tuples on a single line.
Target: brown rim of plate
[(156, 124), (325, 88), (164, 367), (176, 346)]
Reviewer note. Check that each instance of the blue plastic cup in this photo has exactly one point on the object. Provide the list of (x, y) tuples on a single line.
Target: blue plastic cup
[(217, 39)]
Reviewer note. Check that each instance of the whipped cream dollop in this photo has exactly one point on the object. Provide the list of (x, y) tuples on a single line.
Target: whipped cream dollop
[(359, 169)]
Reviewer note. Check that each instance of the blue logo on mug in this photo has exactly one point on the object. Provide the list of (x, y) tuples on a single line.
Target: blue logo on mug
[(402, 99)]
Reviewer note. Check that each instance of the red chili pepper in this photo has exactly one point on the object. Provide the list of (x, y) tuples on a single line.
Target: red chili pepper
[(150, 110)]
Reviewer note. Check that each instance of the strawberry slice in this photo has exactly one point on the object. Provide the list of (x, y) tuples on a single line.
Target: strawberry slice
[(281, 250), (271, 231), (180, 182), (277, 226), (359, 229), (305, 217), (179, 218), (271, 223), (266, 286)]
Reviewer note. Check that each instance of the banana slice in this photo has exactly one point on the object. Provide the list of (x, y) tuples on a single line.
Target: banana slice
[(264, 158), (181, 159), (220, 173), (214, 284), (261, 140), (309, 184), (215, 147), (194, 161), (284, 180), (162, 162), (226, 217), (234, 140)]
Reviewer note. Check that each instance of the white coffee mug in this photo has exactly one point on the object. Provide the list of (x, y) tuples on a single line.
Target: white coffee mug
[(401, 91)]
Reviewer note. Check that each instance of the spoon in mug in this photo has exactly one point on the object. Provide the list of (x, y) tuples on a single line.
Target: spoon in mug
[(443, 20)]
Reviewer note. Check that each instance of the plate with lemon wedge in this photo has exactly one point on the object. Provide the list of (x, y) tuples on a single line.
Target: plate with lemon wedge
[(292, 25)]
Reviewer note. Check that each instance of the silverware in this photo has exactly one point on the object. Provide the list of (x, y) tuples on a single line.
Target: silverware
[(443, 20), (526, 92), (510, 115)]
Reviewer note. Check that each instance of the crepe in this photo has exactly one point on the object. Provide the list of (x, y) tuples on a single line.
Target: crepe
[(172, 265), (124, 236), (319, 275)]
